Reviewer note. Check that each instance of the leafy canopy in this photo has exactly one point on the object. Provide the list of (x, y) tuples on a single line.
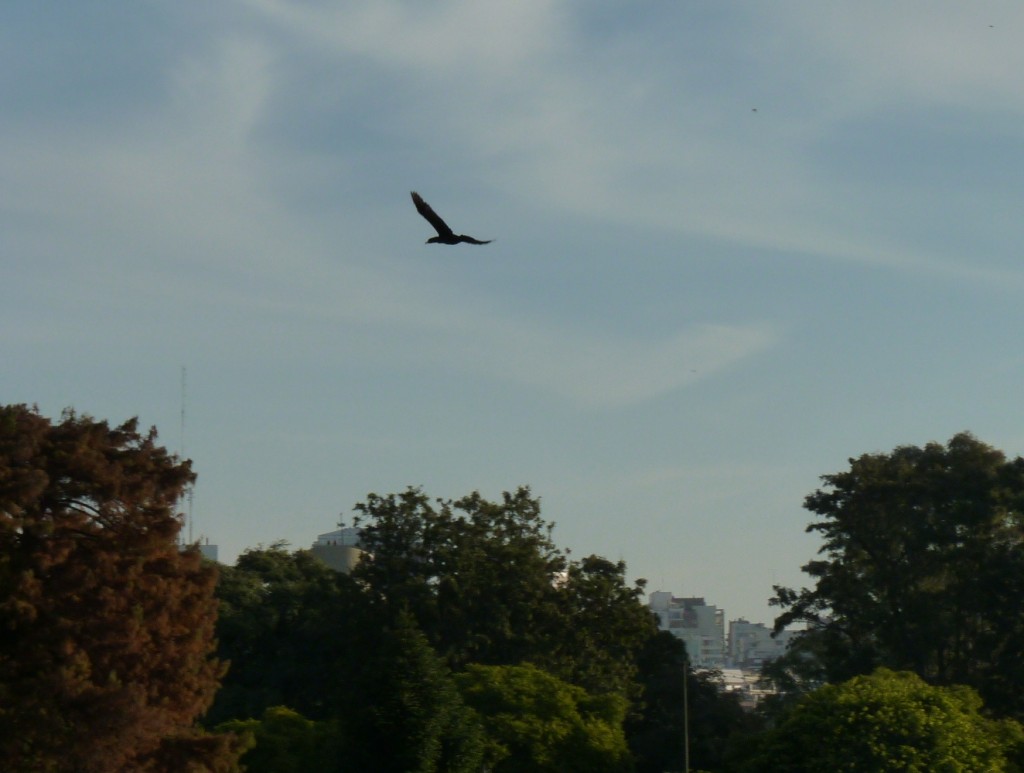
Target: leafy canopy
[(890, 721), (105, 656), (536, 722), (486, 584), (922, 562), (290, 626)]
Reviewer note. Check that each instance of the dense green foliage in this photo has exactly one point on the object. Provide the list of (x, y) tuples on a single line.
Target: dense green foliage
[(288, 625), (476, 575), (107, 626), (888, 721), (486, 584), (404, 712), (444, 587), (601, 628), (536, 723), (284, 741), (923, 570)]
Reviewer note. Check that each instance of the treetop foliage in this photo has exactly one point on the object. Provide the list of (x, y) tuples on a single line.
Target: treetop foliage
[(486, 584), (922, 569), (444, 587), (106, 652), (888, 721), (537, 723)]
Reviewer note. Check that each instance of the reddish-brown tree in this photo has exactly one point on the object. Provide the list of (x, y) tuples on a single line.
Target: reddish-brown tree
[(106, 626)]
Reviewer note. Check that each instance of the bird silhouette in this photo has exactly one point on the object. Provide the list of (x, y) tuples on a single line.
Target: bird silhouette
[(445, 235)]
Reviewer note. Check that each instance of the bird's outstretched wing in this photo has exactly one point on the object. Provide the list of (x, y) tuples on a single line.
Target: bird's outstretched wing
[(471, 240), (431, 216)]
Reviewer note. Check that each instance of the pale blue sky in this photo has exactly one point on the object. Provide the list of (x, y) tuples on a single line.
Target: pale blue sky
[(736, 244)]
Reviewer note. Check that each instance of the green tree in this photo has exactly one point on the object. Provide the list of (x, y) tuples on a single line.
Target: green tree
[(290, 627), (406, 714), (295, 630), (107, 641), (284, 741), (441, 583), (891, 721), (601, 626), (922, 569), (487, 584), (477, 575), (536, 723)]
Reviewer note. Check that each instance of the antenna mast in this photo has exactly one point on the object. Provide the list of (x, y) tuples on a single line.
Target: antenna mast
[(181, 454), (181, 438)]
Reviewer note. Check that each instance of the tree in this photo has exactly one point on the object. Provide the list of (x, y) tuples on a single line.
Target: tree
[(405, 713), (603, 625), (536, 722), (284, 741), (888, 721), (487, 584), (291, 628), (105, 652), (441, 583), (478, 576), (923, 569), (300, 633)]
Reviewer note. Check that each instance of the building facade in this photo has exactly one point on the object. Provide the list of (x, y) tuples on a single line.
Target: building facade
[(751, 645), (701, 626), (339, 549)]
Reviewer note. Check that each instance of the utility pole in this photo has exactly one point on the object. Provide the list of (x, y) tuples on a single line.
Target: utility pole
[(686, 715)]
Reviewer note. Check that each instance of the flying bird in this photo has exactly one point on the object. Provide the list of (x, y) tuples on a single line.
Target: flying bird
[(445, 235)]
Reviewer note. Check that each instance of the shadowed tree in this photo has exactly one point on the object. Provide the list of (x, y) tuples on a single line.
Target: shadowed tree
[(287, 624), (487, 585), (717, 723), (284, 741), (478, 576), (441, 585), (406, 714), (105, 648), (922, 570), (602, 627)]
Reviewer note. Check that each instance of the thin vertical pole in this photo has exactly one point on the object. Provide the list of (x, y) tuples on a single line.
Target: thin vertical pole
[(686, 716), (181, 454)]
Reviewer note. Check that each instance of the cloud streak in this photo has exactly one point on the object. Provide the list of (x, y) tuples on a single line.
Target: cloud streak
[(189, 188), (522, 92)]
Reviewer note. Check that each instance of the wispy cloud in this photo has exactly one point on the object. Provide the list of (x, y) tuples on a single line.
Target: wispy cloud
[(646, 138), (446, 38), (942, 52), (557, 122), (599, 373), (188, 185), (414, 322)]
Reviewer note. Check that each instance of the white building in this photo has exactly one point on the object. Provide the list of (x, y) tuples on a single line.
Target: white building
[(701, 626), (751, 645), (208, 551), (339, 549)]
